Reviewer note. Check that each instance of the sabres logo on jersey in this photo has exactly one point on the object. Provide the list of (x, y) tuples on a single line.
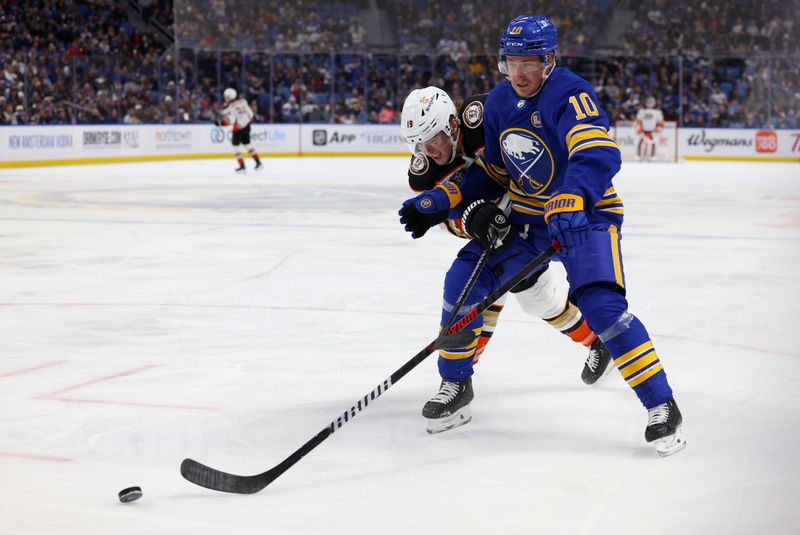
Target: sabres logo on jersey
[(528, 159)]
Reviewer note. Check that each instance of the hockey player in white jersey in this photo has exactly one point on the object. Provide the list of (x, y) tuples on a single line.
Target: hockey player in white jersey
[(649, 124), (236, 112)]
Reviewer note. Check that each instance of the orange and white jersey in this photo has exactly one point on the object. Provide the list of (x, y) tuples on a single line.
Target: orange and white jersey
[(649, 120), (237, 113)]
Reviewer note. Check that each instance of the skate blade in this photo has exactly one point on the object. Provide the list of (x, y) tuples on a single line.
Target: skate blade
[(461, 417), (672, 444)]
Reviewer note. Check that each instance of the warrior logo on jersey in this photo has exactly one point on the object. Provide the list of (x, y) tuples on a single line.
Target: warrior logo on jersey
[(419, 165), (528, 159), (473, 114)]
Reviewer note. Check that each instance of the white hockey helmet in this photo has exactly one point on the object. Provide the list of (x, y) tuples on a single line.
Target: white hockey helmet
[(426, 112), (229, 94)]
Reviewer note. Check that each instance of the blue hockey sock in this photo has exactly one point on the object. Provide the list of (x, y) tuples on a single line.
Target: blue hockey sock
[(626, 338), (637, 361)]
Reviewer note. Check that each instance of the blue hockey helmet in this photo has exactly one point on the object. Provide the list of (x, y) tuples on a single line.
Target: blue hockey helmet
[(528, 36)]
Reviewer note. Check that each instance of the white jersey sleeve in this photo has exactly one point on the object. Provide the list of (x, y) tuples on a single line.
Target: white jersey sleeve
[(649, 118), (238, 113)]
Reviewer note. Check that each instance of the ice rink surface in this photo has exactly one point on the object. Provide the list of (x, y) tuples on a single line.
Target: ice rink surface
[(155, 311)]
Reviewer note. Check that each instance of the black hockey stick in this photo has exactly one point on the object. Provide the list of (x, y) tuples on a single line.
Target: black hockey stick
[(208, 477), (453, 339)]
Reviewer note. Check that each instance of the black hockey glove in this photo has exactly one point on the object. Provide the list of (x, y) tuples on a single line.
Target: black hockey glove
[(424, 211), (486, 223)]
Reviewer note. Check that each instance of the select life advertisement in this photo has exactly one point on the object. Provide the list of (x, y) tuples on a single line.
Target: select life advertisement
[(52, 145)]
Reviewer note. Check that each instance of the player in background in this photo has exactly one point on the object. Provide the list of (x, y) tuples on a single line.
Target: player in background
[(237, 112), (444, 143), (548, 148), (649, 124)]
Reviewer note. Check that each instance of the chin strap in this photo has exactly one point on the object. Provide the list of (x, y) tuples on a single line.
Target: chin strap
[(454, 144)]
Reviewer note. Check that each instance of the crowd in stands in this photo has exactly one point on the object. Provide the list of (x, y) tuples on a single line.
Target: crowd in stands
[(703, 27), (76, 62), (299, 26), (473, 27)]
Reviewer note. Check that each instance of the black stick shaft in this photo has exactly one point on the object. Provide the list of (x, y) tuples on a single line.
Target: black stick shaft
[(211, 478), (473, 278)]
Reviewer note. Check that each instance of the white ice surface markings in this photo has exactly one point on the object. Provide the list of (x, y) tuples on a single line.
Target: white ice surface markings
[(281, 299)]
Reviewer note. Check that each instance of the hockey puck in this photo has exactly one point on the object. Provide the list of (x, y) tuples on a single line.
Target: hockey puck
[(131, 494)]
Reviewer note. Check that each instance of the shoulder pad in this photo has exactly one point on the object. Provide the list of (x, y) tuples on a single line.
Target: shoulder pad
[(472, 122), (471, 112), (425, 174)]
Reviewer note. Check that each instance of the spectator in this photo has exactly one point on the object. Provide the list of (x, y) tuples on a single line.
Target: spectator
[(388, 114)]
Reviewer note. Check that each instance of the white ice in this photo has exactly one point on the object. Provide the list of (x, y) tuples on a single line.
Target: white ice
[(155, 311)]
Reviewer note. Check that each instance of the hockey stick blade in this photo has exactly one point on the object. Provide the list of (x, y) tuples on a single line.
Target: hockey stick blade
[(205, 476), (214, 479)]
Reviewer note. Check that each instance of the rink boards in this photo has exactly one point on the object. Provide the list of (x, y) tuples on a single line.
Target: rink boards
[(23, 146)]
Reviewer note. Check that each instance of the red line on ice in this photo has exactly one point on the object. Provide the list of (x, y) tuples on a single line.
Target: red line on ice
[(134, 404), (35, 457), (99, 380), (33, 368)]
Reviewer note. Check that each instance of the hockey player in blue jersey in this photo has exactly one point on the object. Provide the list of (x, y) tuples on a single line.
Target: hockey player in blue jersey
[(548, 148), (444, 141)]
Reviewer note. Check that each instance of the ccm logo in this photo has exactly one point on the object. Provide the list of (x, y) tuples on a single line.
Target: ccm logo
[(766, 141)]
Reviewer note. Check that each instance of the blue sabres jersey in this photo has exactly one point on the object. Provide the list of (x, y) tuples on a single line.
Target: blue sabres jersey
[(556, 138)]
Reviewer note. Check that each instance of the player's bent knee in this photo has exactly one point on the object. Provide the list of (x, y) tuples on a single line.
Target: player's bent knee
[(603, 306), (545, 299)]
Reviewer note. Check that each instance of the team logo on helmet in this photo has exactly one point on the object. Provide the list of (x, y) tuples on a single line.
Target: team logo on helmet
[(419, 164), (528, 159), (516, 30), (473, 114)]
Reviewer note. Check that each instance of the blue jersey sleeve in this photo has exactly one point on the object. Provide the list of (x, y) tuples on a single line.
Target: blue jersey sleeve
[(593, 155), (477, 184)]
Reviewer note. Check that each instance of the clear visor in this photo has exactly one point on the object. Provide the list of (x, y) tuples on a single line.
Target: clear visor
[(436, 145), (523, 66)]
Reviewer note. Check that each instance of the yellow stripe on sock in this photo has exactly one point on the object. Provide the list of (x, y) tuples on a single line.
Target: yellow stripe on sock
[(635, 352), (646, 375), (638, 364)]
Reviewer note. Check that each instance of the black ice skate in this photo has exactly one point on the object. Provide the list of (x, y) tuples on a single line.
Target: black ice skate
[(450, 407), (241, 169), (259, 165), (665, 428), (598, 364)]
